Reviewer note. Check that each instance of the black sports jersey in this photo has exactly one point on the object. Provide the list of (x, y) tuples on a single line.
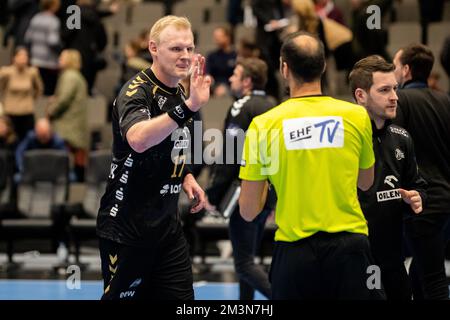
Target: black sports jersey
[(143, 188), (395, 167), (237, 121), (384, 209)]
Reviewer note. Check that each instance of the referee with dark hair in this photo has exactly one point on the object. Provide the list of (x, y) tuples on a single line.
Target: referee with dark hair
[(315, 150)]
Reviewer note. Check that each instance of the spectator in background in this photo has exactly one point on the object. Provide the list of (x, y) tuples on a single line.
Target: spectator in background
[(20, 86), (41, 137), (132, 63), (337, 38), (112, 8), (220, 63), (62, 12), (43, 39), (8, 142), (248, 49), (367, 41), (90, 41), (21, 12), (328, 9), (4, 14), (445, 58), (67, 109), (8, 138), (430, 11), (143, 46), (433, 81), (269, 12), (309, 20), (235, 15)]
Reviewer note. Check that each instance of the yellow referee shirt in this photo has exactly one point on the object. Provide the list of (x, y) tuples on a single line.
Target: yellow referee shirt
[(311, 149)]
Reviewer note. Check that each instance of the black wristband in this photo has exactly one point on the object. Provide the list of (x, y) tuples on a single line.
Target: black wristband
[(180, 114)]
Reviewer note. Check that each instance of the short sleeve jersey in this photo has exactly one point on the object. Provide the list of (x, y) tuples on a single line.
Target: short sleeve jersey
[(311, 149), (142, 192)]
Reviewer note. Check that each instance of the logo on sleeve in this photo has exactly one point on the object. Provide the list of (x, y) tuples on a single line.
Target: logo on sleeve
[(145, 111), (399, 154), (313, 133)]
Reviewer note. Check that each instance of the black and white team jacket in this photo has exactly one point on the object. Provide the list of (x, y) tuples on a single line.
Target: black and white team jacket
[(395, 167)]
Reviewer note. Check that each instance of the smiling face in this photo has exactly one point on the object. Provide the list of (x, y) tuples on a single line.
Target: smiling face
[(381, 101), (172, 55)]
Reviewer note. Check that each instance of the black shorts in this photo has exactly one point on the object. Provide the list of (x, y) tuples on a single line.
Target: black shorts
[(162, 272), (326, 266)]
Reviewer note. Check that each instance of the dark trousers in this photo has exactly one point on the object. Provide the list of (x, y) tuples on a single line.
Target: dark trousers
[(246, 239), (270, 46), (427, 242), (22, 124), (386, 244), (49, 78), (326, 266), (159, 272)]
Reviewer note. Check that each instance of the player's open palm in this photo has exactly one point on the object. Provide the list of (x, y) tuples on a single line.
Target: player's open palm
[(200, 84)]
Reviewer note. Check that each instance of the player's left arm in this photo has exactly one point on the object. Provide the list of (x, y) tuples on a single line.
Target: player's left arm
[(194, 192)]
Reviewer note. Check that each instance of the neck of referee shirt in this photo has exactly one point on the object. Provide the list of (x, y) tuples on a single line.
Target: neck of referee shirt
[(305, 89)]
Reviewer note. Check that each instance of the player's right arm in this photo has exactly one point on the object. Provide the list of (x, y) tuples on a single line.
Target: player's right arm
[(146, 134), (143, 135), (365, 178)]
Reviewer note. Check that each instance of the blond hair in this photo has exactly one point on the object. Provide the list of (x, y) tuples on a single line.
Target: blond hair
[(73, 59), (308, 18), (167, 21)]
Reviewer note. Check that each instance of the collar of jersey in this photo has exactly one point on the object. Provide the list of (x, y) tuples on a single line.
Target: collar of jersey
[(310, 96), (378, 132), (153, 79), (412, 84)]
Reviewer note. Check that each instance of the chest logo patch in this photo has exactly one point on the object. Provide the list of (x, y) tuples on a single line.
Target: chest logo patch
[(388, 180), (388, 195), (161, 101)]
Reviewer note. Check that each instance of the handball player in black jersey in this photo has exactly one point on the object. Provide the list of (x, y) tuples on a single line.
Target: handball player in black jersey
[(144, 254)]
